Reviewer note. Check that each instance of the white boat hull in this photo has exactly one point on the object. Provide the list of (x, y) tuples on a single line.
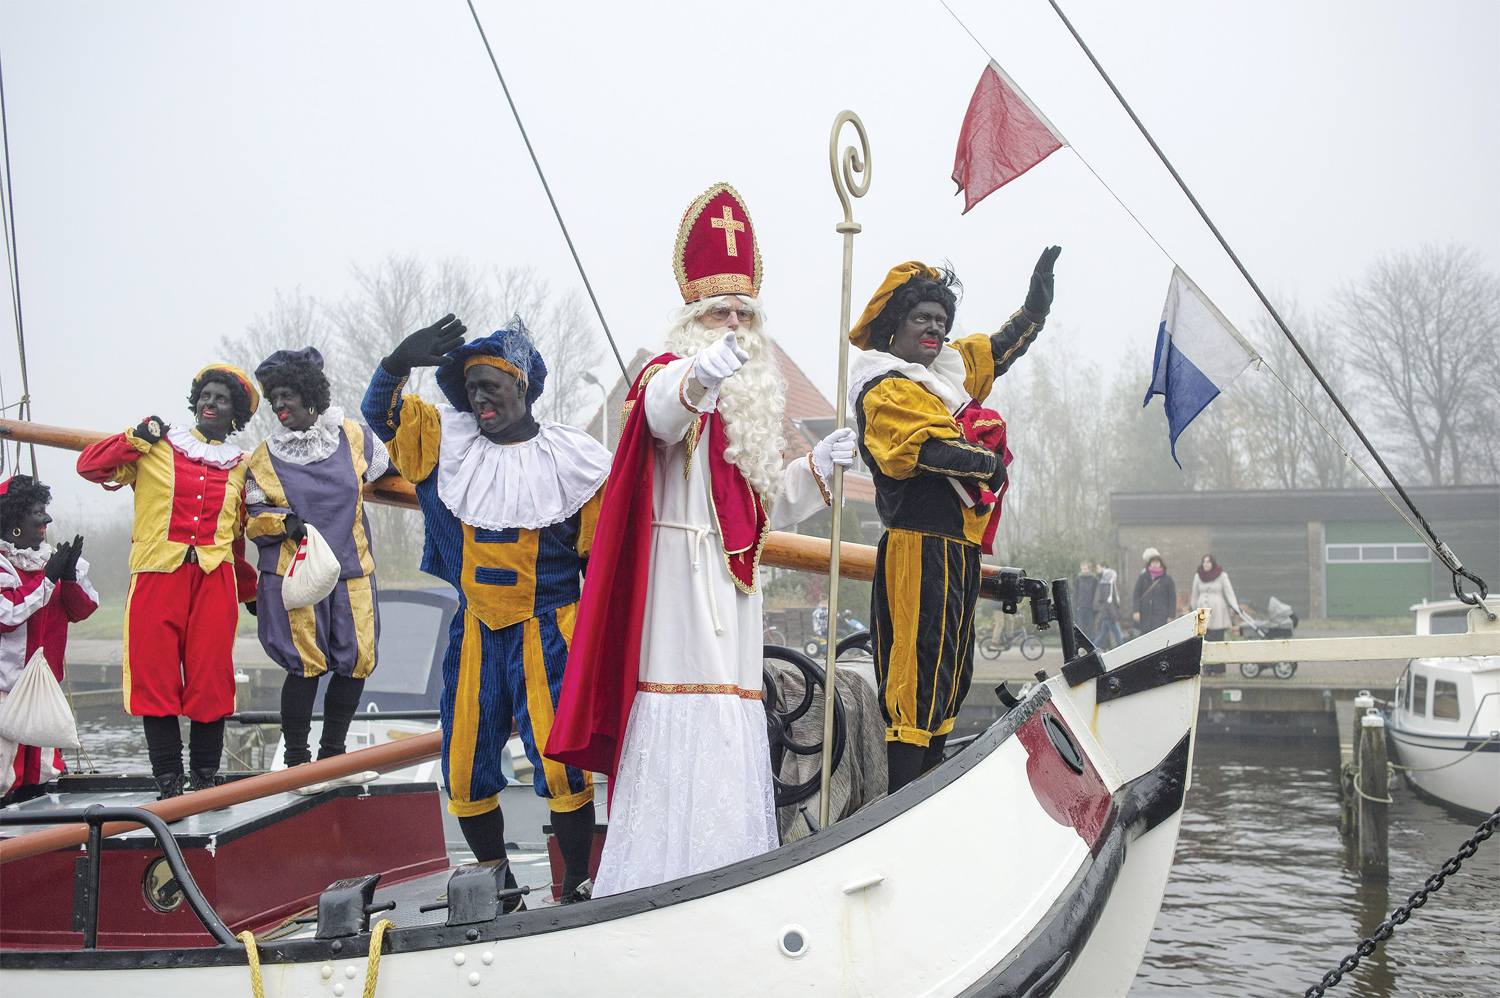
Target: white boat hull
[(967, 882), (1450, 769)]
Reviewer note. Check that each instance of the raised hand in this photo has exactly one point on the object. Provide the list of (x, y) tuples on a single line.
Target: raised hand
[(719, 361), (150, 429), (70, 571), (426, 347), (1039, 296), (57, 564), (835, 449)]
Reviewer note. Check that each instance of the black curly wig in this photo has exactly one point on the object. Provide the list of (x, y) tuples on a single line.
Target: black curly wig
[(237, 393), (944, 290), (23, 495), (303, 378)]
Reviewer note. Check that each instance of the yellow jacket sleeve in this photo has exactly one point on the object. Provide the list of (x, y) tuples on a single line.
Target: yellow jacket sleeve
[(900, 416), (979, 364), (414, 448)]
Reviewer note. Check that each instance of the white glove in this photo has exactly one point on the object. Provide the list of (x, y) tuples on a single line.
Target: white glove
[(715, 363), (835, 449)]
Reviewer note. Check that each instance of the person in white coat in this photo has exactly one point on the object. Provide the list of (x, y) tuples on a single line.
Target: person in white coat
[(1213, 591)]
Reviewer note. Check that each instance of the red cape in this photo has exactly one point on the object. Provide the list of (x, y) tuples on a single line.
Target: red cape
[(604, 658)]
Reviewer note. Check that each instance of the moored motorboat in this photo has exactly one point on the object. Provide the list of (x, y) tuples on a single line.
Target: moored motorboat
[(1444, 723)]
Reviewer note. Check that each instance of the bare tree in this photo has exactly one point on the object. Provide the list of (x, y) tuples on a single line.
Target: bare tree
[(1424, 328)]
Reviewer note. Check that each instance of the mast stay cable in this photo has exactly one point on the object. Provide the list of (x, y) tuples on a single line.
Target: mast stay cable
[(1443, 551), (550, 199), (13, 268)]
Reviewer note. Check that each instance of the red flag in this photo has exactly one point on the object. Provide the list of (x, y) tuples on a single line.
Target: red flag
[(1003, 136)]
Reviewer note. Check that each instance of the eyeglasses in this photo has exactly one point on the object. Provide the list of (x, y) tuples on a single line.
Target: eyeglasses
[(722, 314)]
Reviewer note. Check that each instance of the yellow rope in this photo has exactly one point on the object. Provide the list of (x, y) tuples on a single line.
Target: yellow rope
[(372, 966), (253, 955)]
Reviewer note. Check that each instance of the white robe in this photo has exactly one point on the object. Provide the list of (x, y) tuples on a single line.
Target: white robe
[(693, 790)]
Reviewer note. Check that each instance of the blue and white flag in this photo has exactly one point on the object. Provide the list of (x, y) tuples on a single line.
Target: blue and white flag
[(1198, 353)]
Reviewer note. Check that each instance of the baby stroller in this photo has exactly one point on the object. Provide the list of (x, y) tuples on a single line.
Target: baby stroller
[(1280, 622)]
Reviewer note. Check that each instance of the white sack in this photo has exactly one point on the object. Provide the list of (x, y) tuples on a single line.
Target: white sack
[(313, 573), (36, 712)]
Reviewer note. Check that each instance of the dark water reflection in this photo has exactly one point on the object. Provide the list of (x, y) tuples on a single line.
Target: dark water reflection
[(1263, 899)]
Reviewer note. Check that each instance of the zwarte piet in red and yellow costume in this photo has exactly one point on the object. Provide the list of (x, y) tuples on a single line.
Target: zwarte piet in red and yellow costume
[(187, 563), (663, 686)]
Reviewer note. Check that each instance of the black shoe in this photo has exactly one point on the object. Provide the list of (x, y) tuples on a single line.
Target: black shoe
[(583, 892), (204, 779), (170, 785)]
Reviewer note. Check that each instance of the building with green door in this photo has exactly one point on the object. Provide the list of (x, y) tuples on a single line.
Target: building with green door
[(1326, 552)]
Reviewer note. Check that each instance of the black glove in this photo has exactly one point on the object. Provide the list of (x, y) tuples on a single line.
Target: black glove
[(998, 479), (70, 571), (295, 526), (151, 429), (250, 606), (1039, 297), (426, 347), (58, 563)]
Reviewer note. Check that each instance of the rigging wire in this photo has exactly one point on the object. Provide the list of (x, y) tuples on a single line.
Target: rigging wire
[(1442, 550), (550, 200), (8, 219)]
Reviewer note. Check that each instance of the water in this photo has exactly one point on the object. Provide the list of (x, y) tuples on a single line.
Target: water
[(1262, 898)]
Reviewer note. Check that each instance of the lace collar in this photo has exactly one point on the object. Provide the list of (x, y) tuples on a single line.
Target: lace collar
[(530, 485), (190, 444), (26, 559), (309, 446), (945, 378)]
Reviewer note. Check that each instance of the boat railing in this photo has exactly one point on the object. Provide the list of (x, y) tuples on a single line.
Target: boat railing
[(95, 815)]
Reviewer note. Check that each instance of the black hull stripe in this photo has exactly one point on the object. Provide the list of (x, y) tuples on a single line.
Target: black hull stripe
[(1460, 743)]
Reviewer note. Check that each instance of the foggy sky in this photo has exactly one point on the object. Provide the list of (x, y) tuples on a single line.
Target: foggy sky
[(175, 164)]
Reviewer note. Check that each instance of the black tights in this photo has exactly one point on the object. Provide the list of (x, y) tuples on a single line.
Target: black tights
[(339, 705), (164, 745), (907, 762), (485, 834)]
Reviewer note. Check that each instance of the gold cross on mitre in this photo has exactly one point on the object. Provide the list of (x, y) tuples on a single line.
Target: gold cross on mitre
[(730, 226)]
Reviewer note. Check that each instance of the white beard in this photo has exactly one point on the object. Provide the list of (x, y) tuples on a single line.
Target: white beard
[(751, 401)]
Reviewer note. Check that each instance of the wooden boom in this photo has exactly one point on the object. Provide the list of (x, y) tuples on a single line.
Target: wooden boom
[(782, 550)]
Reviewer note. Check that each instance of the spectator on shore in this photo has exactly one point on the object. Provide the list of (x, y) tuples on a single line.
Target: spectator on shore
[(1107, 606), (1155, 600), (1083, 597), (1213, 591)]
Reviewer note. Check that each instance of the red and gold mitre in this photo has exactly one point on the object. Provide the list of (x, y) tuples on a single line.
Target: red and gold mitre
[(716, 252)]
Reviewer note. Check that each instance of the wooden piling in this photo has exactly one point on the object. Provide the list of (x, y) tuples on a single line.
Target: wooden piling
[(1374, 796)]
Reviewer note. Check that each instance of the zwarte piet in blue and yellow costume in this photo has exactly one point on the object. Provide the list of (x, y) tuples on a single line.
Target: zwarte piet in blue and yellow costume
[(509, 525)]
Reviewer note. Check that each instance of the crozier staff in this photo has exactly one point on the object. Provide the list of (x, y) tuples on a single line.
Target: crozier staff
[(663, 689), (188, 571), (42, 590), (939, 470), (311, 470), (510, 503)]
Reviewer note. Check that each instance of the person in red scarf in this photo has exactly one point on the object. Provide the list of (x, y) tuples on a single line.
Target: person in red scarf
[(42, 590), (663, 685), (938, 460)]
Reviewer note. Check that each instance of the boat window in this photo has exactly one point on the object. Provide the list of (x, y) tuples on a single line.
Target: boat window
[(1445, 699), (1449, 622), (1400, 695), (1419, 694)]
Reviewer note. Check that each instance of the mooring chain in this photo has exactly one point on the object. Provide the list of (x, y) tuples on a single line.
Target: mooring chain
[(1401, 914)]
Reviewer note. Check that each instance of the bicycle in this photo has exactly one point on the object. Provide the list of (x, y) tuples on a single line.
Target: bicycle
[(998, 640)]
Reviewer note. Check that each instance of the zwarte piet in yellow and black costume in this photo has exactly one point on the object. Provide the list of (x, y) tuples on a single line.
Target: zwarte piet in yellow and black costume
[(510, 518), (938, 462)]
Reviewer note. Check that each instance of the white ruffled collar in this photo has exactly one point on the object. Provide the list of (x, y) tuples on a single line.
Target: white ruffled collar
[(529, 485), (309, 446), (26, 559), (945, 378), (190, 444)]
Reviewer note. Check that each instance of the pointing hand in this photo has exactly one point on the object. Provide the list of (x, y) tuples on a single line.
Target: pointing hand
[(715, 363)]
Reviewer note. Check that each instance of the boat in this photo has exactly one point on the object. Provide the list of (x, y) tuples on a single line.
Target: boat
[(1443, 727)]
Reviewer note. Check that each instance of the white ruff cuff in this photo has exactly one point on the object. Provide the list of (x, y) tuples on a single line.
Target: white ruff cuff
[(530, 485)]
